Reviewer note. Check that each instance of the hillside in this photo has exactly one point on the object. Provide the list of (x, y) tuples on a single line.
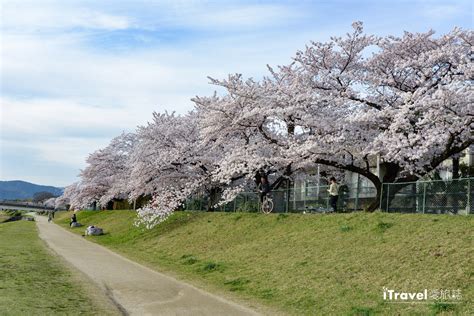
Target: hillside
[(304, 264), (13, 190)]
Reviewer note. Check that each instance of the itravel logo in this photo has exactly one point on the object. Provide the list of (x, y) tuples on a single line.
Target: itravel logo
[(425, 295), (404, 296)]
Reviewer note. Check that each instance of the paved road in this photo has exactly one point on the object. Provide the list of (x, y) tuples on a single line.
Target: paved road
[(137, 289)]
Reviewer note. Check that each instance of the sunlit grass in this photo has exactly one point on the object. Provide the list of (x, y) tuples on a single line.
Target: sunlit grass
[(305, 264), (33, 281)]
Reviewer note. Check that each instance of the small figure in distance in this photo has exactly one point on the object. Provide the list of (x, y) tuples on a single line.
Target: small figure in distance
[(73, 219), (333, 193), (264, 188)]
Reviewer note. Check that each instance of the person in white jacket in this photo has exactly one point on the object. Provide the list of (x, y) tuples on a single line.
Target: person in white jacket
[(333, 193)]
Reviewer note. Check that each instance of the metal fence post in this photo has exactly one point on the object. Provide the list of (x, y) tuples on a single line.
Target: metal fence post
[(388, 191), (357, 194), (327, 203), (381, 196), (304, 195), (424, 197), (294, 195), (468, 206)]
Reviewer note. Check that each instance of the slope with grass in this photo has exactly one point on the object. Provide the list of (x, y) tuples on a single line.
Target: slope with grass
[(35, 282), (304, 264), (4, 216)]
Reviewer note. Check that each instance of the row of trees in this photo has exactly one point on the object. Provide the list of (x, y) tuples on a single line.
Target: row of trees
[(406, 100)]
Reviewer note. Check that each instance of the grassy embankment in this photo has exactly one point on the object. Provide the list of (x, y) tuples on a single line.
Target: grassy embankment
[(4, 216), (8, 214), (35, 282), (305, 264)]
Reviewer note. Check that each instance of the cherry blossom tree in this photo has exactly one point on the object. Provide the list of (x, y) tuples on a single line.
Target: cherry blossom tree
[(69, 196), (105, 177), (409, 103), (51, 202), (404, 101), (170, 164)]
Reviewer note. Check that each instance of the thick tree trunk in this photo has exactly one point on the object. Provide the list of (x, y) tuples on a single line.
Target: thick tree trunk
[(456, 168), (375, 204), (391, 172), (213, 198)]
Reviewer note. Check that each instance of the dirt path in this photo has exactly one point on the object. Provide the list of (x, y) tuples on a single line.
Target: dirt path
[(136, 289)]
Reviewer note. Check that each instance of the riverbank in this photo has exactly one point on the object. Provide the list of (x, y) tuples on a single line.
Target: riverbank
[(135, 288), (11, 215), (304, 264), (33, 281)]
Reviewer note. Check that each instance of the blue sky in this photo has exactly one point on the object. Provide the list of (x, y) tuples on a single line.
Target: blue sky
[(74, 74)]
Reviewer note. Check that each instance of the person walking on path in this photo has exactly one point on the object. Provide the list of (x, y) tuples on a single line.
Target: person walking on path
[(50, 216), (333, 194)]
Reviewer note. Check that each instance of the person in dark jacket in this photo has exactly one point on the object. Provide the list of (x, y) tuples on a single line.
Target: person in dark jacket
[(73, 219), (264, 188)]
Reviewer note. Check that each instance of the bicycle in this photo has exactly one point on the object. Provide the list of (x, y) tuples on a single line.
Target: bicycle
[(267, 204)]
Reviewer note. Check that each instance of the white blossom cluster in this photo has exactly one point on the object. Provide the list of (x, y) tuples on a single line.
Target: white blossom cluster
[(406, 100)]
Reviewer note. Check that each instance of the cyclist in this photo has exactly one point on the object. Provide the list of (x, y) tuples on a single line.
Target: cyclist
[(264, 188)]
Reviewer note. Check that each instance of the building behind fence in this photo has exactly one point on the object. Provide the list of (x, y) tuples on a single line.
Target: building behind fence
[(434, 197)]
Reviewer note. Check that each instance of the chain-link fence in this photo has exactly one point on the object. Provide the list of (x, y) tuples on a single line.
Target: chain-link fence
[(302, 199), (432, 197)]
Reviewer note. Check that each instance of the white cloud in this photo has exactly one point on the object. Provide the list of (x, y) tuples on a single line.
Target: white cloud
[(53, 117), (47, 16), (63, 68), (230, 16), (61, 151)]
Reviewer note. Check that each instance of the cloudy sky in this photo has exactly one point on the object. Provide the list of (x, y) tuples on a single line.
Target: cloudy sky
[(74, 74)]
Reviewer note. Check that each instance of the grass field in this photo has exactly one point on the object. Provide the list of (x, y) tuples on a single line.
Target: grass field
[(3, 216), (35, 282), (7, 214), (301, 264)]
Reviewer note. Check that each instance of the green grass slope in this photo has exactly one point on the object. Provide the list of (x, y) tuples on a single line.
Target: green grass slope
[(301, 264), (4, 216), (35, 282)]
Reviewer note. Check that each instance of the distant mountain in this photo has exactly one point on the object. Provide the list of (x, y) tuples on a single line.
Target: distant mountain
[(19, 190)]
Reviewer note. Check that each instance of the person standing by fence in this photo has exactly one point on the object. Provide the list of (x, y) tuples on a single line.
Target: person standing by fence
[(333, 194)]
